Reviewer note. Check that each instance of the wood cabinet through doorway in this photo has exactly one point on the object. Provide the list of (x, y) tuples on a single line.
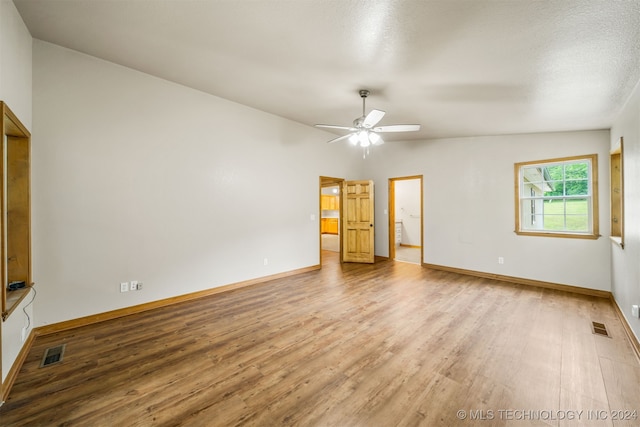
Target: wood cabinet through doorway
[(329, 203), (329, 226)]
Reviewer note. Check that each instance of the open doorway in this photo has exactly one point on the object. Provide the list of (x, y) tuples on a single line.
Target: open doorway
[(330, 218), (405, 219)]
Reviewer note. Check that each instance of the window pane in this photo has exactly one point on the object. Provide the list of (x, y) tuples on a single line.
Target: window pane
[(577, 207), (554, 188), (531, 214), (554, 206), (577, 214), (577, 188), (532, 176), (577, 171), (555, 172), (532, 222), (554, 214), (578, 223), (553, 222)]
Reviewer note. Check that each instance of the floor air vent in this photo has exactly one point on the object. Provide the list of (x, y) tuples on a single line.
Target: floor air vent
[(52, 355), (600, 329)]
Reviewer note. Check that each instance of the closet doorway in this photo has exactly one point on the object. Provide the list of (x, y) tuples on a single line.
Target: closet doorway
[(405, 219)]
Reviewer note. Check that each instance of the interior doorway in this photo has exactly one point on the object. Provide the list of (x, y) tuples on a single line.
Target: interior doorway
[(330, 218), (406, 236)]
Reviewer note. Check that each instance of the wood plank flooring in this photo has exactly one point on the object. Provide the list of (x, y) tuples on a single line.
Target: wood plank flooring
[(389, 344)]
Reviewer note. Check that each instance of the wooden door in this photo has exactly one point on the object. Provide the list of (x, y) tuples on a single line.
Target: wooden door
[(358, 225)]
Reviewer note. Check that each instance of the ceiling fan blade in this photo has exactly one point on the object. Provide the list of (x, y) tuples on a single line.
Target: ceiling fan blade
[(373, 118), (349, 128), (340, 138), (397, 128)]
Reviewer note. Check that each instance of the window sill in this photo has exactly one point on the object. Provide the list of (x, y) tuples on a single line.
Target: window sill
[(551, 234), (617, 240), (14, 298)]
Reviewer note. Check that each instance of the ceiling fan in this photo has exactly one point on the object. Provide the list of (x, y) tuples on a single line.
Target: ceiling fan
[(364, 131)]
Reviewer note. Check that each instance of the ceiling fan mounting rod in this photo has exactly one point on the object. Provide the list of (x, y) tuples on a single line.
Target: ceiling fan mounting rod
[(363, 94)]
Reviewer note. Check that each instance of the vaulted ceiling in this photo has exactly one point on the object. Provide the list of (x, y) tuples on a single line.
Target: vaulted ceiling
[(457, 67)]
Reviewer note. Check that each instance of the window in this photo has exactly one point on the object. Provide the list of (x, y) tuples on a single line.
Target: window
[(617, 194), (558, 197)]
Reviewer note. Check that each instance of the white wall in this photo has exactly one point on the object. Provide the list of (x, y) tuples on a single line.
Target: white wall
[(625, 277), (469, 209), (137, 178), (407, 210), (15, 62), (15, 91)]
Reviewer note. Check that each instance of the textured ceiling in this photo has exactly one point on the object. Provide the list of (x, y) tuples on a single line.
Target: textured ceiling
[(458, 68)]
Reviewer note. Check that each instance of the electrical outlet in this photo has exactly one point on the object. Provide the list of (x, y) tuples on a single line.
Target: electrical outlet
[(500, 260), (24, 334), (134, 285), (635, 311), (139, 286), (124, 287), (266, 261)]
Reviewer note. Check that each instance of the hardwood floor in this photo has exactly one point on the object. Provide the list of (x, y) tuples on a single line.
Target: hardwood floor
[(388, 344)]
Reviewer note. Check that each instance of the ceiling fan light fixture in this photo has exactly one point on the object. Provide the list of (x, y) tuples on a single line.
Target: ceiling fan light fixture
[(353, 139), (363, 137), (375, 139)]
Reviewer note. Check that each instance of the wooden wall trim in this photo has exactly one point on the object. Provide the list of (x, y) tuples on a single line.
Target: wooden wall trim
[(17, 364), (114, 314), (633, 339), (522, 281)]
